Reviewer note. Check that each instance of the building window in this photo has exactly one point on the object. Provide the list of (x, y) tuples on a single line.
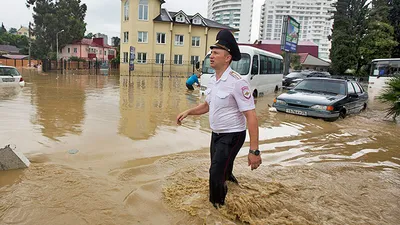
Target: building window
[(179, 40), (180, 18), (141, 57), (69, 50), (160, 58), (126, 10), (75, 50), (160, 38), (125, 59), (142, 36), (196, 41), (196, 20), (143, 10), (101, 52), (126, 37), (178, 59), (194, 59), (105, 52)]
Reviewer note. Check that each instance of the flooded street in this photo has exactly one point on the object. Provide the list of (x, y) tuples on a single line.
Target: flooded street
[(134, 165)]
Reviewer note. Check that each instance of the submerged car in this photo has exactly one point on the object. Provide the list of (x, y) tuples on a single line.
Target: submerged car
[(324, 98), (10, 76)]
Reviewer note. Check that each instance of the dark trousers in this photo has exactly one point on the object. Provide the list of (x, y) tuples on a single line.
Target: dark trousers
[(190, 87), (223, 150)]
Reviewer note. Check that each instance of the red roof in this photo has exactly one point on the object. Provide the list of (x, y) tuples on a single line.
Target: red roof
[(96, 42), (303, 57)]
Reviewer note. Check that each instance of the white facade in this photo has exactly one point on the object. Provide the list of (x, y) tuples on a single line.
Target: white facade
[(234, 13), (313, 16)]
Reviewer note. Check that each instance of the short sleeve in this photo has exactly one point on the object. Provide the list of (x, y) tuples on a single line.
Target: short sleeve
[(243, 96)]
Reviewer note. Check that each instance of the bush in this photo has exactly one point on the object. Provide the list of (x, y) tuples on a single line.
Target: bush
[(391, 95)]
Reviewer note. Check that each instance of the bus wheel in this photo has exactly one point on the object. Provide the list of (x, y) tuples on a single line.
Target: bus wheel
[(255, 93)]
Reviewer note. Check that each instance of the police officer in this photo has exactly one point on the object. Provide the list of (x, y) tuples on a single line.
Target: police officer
[(230, 104)]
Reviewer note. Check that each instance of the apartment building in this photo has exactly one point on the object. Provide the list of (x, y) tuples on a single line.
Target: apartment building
[(163, 37), (234, 13), (313, 16)]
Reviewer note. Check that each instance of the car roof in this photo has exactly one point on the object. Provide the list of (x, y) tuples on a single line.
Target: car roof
[(325, 78), (1, 66)]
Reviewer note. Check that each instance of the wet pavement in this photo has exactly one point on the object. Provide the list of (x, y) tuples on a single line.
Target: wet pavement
[(106, 150)]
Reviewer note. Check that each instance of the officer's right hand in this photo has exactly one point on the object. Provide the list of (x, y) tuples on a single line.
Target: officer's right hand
[(180, 117)]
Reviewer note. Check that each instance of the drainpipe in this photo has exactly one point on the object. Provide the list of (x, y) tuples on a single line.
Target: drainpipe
[(170, 46)]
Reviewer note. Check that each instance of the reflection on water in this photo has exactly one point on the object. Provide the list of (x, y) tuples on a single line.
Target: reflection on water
[(133, 160), (149, 102)]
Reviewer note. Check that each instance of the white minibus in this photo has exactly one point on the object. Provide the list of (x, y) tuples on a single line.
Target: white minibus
[(262, 69)]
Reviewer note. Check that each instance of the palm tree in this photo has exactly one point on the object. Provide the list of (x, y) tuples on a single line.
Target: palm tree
[(391, 95)]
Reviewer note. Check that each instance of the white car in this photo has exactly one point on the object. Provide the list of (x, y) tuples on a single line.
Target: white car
[(10, 76)]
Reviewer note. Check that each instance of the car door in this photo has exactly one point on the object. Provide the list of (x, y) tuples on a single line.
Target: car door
[(362, 95), (352, 99)]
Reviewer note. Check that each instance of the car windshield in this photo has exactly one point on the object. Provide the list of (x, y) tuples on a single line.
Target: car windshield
[(7, 71), (335, 87), (242, 66), (294, 75)]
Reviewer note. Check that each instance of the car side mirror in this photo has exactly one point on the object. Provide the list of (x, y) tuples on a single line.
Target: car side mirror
[(353, 95)]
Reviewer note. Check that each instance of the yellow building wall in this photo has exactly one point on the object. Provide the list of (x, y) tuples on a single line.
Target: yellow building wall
[(134, 25)]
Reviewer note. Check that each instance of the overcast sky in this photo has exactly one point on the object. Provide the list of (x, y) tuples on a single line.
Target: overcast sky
[(103, 16)]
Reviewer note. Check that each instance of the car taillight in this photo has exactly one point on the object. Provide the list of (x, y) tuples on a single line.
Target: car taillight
[(21, 79)]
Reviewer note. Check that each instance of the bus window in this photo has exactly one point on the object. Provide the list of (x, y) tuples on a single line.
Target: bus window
[(277, 66), (270, 65), (385, 68), (254, 68), (263, 64), (242, 66)]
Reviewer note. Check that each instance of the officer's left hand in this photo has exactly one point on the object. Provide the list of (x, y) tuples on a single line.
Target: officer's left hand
[(254, 161)]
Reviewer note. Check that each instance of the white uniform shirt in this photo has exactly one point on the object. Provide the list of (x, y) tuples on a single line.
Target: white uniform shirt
[(228, 98)]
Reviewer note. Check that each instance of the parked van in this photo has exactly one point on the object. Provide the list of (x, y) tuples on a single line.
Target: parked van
[(262, 69)]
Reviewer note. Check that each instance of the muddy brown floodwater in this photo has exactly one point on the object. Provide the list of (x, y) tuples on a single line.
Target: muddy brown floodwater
[(135, 166)]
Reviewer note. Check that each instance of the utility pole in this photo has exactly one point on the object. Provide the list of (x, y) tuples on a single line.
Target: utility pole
[(30, 43), (57, 45)]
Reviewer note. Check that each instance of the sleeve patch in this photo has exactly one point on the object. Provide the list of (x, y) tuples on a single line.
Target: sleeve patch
[(246, 92)]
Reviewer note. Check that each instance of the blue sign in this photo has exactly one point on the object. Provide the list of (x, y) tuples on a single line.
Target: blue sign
[(290, 34), (131, 58)]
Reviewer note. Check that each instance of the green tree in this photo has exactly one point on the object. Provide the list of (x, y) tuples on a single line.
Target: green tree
[(347, 35), (89, 35), (391, 95), (51, 17), (3, 29), (115, 41), (378, 41), (13, 30), (394, 20)]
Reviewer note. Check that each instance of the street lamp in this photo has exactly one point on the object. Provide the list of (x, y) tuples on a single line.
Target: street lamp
[(57, 44)]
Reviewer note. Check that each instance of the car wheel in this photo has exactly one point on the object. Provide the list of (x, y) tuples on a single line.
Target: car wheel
[(364, 107), (255, 93), (276, 89), (331, 119), (342, 113)]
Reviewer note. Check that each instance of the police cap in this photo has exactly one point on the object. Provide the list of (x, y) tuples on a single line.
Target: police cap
[(226, 41)]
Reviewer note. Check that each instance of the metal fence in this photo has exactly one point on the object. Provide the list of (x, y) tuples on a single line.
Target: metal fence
[(75, 65), (152, 67)]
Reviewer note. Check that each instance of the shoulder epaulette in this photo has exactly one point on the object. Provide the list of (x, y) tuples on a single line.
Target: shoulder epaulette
[(235, 75)]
